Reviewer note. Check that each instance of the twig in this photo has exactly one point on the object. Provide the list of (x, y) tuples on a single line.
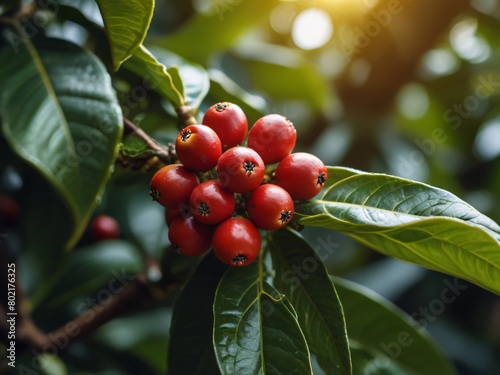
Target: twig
[(162, 152)]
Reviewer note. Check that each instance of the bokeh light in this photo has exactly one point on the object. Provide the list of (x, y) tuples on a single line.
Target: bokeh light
[(466, 43), (487, 142), (312, 29)]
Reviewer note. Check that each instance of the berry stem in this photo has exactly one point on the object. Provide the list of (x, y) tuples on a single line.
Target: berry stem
[(186, 116)]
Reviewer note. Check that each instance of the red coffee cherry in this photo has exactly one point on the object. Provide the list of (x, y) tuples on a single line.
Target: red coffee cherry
[(171, 186), (188, 236), (302, 174), (273, 137), (236, 241), (198, 147), (240, 169), (104, 227), (270, 207), (171, 214), (229, 122), (10, 210), (211, 203)]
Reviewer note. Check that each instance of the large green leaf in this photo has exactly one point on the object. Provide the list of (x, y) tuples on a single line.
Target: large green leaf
[(60, 114), (126, 24), (156, 76), (192, 78), (192, 322), (410, 221), (302, 277), (255, 330), (378, 327)]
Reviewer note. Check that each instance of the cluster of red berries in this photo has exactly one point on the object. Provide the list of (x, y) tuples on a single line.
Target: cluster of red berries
[(236, 196)]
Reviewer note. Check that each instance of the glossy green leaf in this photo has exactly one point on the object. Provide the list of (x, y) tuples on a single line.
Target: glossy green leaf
[(370, 363), (155, 76), (126, 24), (192, 322), (60, 115), (378, 327), (302, 277), (108, 264), (255, 329), (193, 78), (410, 221)]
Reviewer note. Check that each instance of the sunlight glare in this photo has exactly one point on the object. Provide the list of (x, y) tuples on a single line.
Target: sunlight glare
[(312, 29)]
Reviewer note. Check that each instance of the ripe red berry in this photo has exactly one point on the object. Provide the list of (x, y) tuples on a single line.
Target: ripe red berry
[(302, 174), (171, 186), (240, 169), (171, 214), (270, 207), (104, 227), (236, 241), (211, 203), (229, 122), (189, 237), (273, 137), (198, 147), (10, 210)]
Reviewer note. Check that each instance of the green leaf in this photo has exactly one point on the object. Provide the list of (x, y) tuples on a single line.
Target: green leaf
[(191, 329), (377, 326), (255, 329), (69, 128), (135, 147), (155, 76), (126, 24), (112, 264), (302, 277), (410, 221), (193, 78)]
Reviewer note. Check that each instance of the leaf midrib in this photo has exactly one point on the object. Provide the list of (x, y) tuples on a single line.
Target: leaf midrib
[(325, 324)]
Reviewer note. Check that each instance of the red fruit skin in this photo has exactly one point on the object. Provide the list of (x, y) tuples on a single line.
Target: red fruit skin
[(302, 174), (229, 122), (273, 137), (270, 207), (104, 227), (171, 214), (171, 186), (236, 242), (211, 203), (10, 210), (198, 147), (189, 237), (240, 169)]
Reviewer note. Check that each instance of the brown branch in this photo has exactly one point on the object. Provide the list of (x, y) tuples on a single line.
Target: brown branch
[(165, 153), (30, 338), (132, 294)]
